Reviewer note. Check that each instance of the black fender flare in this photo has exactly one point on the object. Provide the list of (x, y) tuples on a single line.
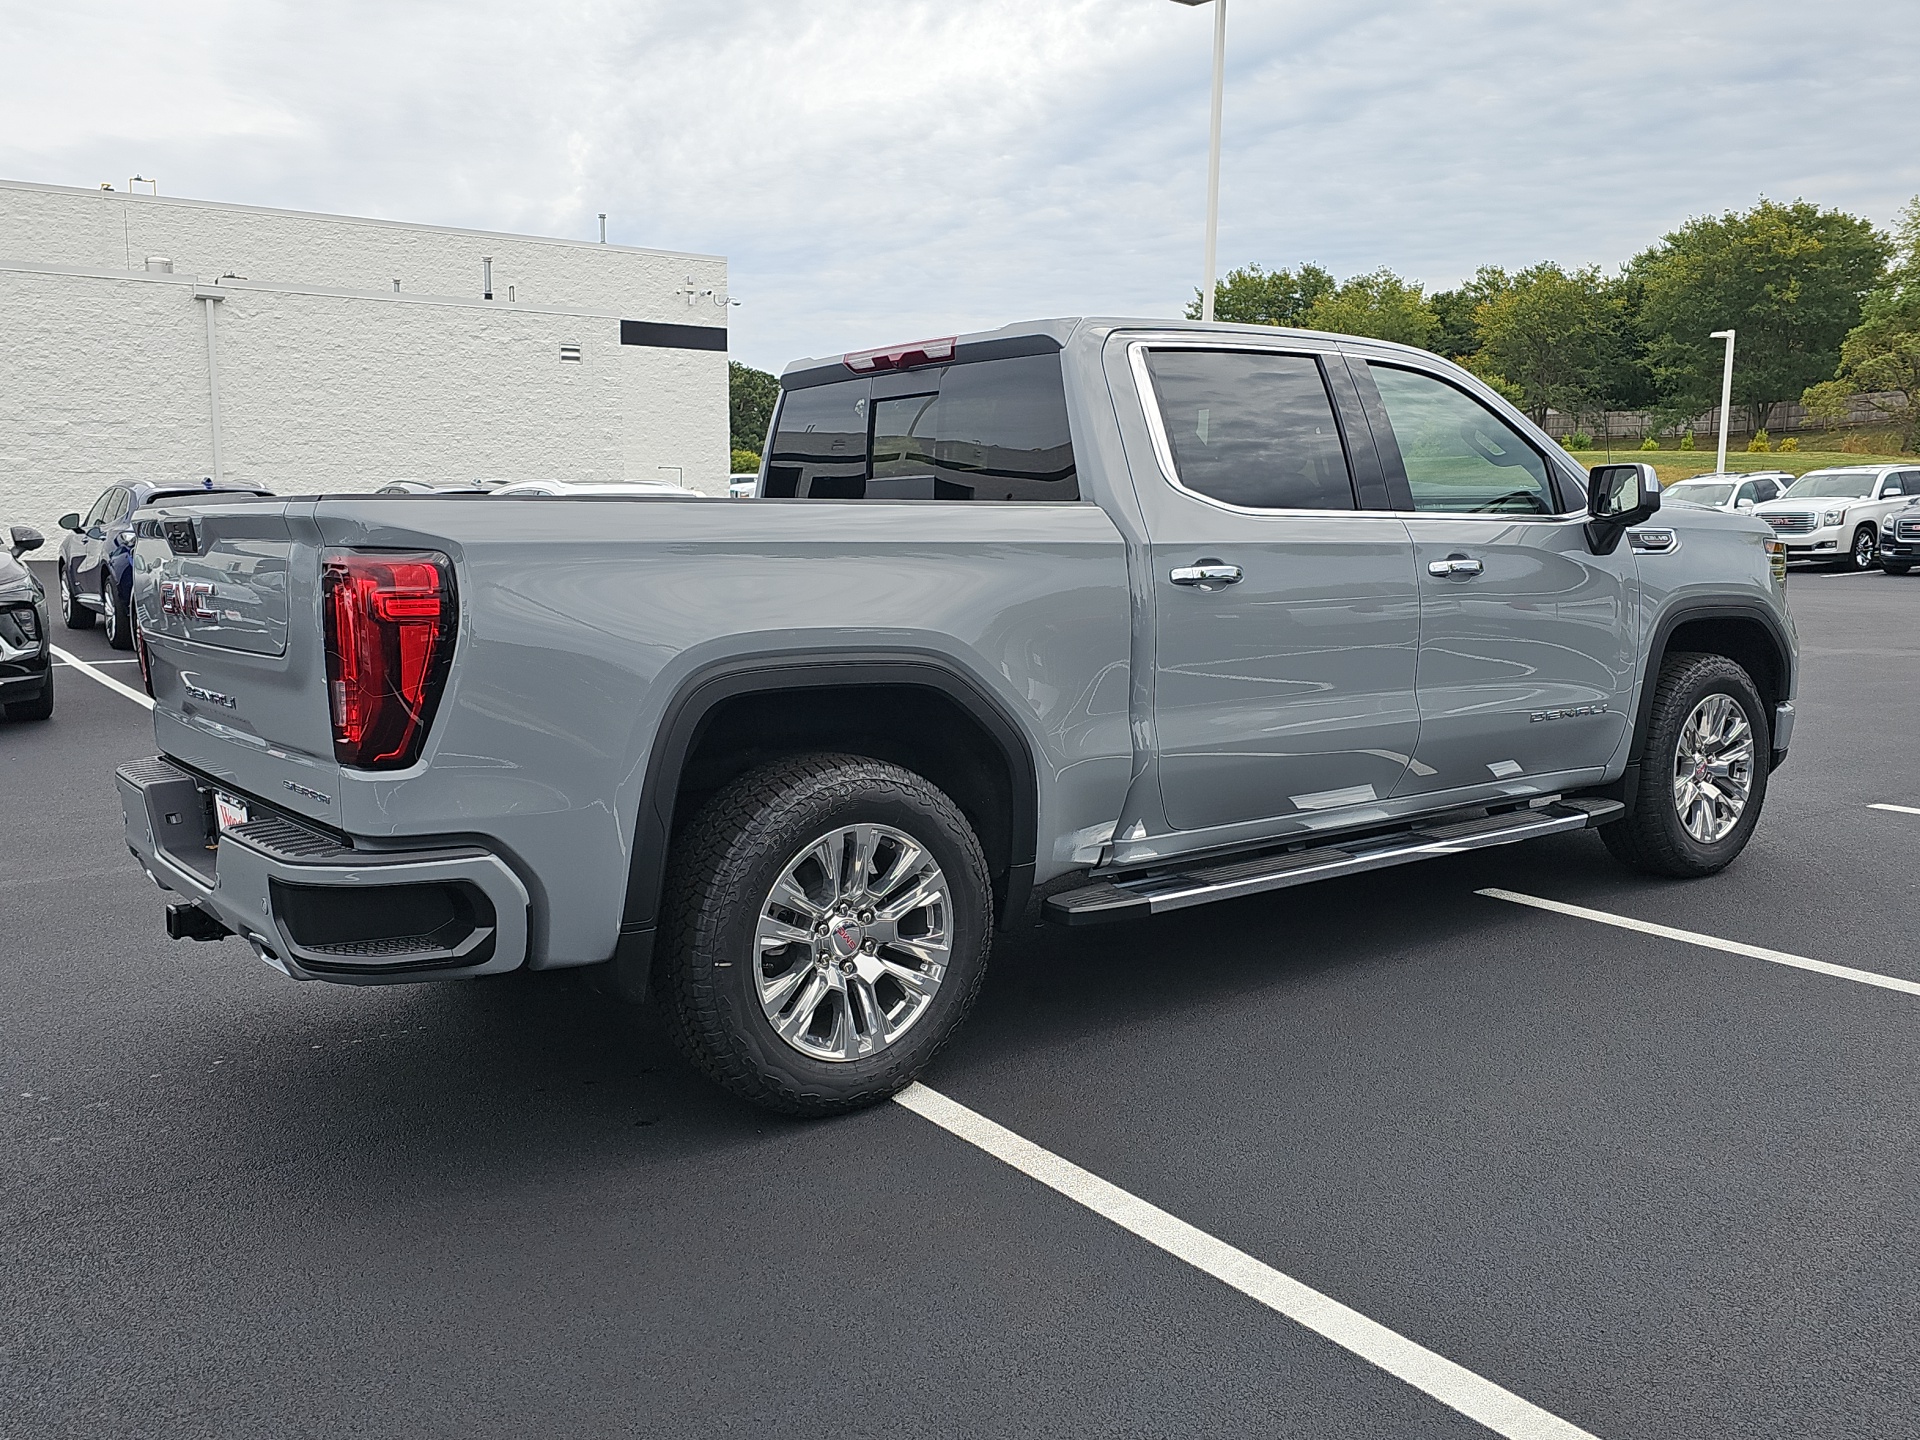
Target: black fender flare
[(1626, 788), (771, 672)]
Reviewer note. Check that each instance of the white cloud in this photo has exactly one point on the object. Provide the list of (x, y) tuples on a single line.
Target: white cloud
[(882, 171)]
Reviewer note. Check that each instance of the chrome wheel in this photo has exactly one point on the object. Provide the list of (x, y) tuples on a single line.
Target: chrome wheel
[(1713, 768), (1864, 549), (109, 616), (852, 942)]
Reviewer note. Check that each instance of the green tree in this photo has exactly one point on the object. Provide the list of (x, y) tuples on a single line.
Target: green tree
[(1454, 334), (1788, 278), (1253, 296), (1555, 336), (750, 397), (1882, 353), (1381, 306)]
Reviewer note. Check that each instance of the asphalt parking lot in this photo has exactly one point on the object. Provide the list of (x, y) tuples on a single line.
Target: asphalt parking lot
[(1652, 1187)]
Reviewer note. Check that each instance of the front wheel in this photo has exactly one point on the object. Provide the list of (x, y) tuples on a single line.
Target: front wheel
[(826, 929), (1865, 549), (72, 613), (1703, 775)]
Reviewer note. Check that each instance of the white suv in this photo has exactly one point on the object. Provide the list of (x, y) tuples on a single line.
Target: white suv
[(1835, 514), (1725, 490)]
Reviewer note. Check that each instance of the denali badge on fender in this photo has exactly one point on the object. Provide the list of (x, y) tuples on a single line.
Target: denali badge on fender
[(1537, 716)]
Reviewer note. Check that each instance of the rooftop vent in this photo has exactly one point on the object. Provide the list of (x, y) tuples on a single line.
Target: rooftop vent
[(159, 265)]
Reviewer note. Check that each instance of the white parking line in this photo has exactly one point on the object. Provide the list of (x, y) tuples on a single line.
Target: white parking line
[(105, 679), (1454, 1386), (102, 662), (1897, 809), (1710, 942)]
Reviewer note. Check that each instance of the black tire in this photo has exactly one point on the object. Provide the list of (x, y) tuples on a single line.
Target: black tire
[(1653, 839), (1864, 553), (40, 709), (1893, 569), (707, 975), (73, 614), (114, 607)]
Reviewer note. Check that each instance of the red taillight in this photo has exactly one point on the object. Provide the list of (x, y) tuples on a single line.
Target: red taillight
[(389, 619), (900, 357)]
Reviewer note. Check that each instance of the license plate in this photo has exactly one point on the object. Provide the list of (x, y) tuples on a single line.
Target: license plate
[(229, 812)]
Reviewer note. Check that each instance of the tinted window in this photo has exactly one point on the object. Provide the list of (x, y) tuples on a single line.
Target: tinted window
[(1251, 429), (983, 430), (98, 515), (820, 442), (1747, 492), (1460, 457)]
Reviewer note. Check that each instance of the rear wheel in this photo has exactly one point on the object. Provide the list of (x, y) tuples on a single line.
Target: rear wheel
[(75, 615), (114, 607), (826, 929), (1866, 548), (1703, 776)]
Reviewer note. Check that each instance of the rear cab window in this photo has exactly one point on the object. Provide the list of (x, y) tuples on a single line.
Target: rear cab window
[(1251, 429), (993, 428)]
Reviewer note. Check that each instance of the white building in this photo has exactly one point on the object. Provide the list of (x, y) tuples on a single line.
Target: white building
[(146, 337)]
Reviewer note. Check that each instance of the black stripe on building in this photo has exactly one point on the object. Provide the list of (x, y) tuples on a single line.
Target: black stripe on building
[(673, 337)]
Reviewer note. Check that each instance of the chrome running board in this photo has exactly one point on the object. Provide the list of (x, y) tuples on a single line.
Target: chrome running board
[(1128, 897)]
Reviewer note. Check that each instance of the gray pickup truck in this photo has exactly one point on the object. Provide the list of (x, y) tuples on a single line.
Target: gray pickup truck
[(1094, 618)]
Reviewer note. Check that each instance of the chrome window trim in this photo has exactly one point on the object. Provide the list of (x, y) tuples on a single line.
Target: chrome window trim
[(1163, 447)]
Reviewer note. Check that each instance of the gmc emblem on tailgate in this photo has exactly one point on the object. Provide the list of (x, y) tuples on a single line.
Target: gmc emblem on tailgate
[(192, 598)]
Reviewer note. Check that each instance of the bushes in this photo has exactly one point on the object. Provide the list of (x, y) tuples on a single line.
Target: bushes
[(1788, 445), (1578, 440), (1759, 444), (1686, 440), (744, 461), (1649, 443)]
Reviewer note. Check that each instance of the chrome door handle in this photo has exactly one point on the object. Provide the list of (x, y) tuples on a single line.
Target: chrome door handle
[(1455, 566), (1207, 574)]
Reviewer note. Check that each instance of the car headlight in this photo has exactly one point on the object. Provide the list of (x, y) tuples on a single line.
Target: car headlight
[(1833, 517)]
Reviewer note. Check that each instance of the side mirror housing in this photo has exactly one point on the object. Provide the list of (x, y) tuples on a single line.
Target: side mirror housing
[(1619, 496), (24, 538), (71, 521), (1744, 506)]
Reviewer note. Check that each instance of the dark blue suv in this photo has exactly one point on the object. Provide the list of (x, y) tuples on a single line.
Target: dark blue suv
[(96, 560)]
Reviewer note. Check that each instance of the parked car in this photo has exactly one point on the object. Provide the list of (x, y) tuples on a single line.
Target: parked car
[(95, 568), (430, 487), (1155, 614), (743, 487), (1900, 539), (1835, 514), (1729, 491), (26, 662), (611, 487)]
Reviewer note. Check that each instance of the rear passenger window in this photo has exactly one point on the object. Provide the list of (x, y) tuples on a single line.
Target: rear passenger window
[(1252, 429), (1460, 457), (977, 430)]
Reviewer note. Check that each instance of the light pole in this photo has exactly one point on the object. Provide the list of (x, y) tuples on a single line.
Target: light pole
[(1726, 397), (1213, 148)]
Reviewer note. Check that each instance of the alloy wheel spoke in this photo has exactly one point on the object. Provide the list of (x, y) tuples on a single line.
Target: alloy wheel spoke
[(775, 993), (797, 1021)]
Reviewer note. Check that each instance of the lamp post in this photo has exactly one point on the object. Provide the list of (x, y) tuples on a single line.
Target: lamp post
[(1726, 397), (1213, 148)]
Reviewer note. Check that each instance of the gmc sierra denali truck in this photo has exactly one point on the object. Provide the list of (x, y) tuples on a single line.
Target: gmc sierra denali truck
[(1095, 617)]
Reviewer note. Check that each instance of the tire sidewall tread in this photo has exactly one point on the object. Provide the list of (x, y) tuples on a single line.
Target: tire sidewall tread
[(1652, 839), (727, 859)]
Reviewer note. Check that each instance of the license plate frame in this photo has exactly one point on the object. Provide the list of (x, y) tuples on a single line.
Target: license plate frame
[(229, 812)]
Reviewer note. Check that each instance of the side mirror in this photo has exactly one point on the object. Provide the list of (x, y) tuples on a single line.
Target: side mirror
[(71, 521), (1744, 506), (24, 538), (1618, 496)]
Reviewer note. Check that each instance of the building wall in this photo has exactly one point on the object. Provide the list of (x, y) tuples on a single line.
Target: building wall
[(104, 370)]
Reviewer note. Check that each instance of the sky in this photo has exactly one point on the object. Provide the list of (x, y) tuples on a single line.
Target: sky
[(884, 170)]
